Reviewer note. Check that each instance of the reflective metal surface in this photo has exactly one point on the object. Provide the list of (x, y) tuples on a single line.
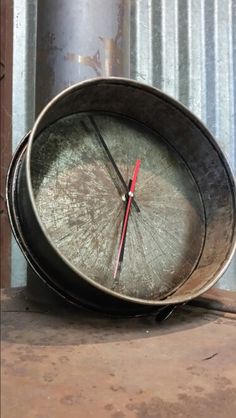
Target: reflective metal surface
[(78, 40)]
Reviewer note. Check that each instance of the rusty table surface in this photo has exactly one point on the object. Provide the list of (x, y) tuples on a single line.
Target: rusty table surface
[(62, 362)]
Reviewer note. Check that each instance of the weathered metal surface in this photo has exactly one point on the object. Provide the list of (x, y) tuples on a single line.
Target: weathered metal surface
[(23, 97), (79, 40), (76, 364), (184, 47), (6, 131), (79, 201), (205, 162), (76, 40)]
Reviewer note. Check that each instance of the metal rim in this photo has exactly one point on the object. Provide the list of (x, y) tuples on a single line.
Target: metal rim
[(197, 123)]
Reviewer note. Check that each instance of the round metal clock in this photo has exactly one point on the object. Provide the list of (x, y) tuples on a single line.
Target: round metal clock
[(121, 200)]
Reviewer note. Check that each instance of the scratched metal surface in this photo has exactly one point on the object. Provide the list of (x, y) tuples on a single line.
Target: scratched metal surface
[(201, 153), (79, 200), (185, 47)]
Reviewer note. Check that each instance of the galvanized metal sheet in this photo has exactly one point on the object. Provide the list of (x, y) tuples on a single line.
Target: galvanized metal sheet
[(187, 48), (23, 98)]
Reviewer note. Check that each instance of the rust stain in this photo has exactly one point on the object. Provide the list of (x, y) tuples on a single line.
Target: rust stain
[(113, 51), (113, 59), (92, 61), (108, 60)]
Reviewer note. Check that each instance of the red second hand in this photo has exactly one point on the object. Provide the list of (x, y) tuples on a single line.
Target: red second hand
[(131, 194)]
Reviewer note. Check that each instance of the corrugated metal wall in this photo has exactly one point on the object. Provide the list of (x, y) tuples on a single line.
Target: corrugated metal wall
[(187, 48), (23, 98)]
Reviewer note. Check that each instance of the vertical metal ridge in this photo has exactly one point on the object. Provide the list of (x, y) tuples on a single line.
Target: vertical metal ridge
[(156, 33), (24, 52), (6, 45), (170, 47), (196, 73), (176, 50), (23, 98), (203, 103), (225, 96), (224, 115), (143, 34), (133, 42), (183, 51), (31, 10), (209, 49), (232, 89)]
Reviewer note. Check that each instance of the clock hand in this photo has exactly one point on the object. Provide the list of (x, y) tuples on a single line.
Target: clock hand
[(102, 141), (127, 212), (123, 246)]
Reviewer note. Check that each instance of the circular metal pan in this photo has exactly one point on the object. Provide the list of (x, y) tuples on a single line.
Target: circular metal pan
[(67, 205)]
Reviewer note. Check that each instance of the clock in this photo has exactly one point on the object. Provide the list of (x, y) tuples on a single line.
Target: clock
[(121, 200)]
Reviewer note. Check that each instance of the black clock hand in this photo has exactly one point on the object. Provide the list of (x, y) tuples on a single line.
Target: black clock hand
[(123, 246), (102, 141), (127, 214), (125, 233)]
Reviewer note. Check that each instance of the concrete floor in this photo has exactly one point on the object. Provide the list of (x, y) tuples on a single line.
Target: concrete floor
[(67, 363)]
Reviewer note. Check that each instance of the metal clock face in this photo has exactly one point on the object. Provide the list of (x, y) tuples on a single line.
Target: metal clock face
[(82, 202)]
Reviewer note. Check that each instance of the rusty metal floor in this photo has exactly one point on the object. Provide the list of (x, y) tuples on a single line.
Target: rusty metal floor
[(65, 363)]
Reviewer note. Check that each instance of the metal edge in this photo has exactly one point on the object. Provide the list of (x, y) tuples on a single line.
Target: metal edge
[(179, 106)]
